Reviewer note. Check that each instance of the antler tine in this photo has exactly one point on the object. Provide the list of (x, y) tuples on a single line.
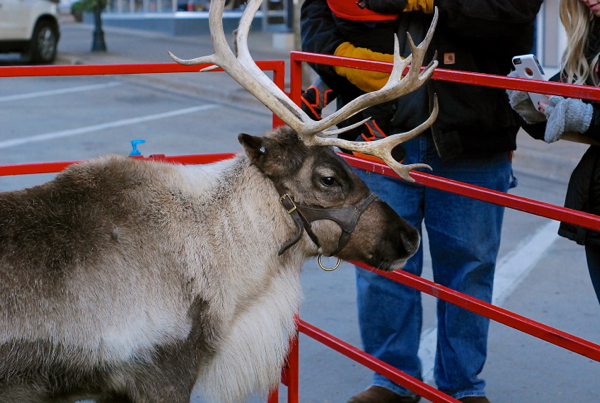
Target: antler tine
[(397, 86), (394, 88), (383, 148), (244, 70)]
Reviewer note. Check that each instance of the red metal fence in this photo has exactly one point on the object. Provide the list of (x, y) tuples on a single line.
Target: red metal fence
[(536, 329), (290, 373)]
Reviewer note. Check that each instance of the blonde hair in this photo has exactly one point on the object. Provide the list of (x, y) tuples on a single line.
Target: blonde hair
[(578, 21)]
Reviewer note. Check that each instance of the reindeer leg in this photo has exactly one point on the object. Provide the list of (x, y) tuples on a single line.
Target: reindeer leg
[(169, 378)]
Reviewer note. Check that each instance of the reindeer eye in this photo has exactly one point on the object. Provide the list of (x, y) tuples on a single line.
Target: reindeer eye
[(328, 181)]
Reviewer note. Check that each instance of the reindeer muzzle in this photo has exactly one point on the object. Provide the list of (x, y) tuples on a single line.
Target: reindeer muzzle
[(345, 217)]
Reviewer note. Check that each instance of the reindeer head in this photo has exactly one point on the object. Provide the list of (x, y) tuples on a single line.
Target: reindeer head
[(337, 210), (297, 161)]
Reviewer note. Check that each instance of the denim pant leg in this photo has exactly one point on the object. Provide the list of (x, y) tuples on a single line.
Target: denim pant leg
[(390, 314), (464, 238), (463, 258)]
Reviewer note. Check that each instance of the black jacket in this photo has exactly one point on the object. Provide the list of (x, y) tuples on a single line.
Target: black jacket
[(472, 35), (583, 192)]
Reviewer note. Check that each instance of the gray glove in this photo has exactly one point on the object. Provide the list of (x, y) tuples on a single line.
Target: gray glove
[(522, 104), (566, 115)]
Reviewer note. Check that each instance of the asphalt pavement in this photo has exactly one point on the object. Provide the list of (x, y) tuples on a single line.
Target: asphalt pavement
[(552, 287), (125, 46)]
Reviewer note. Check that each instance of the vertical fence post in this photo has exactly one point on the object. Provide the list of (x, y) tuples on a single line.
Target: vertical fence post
[(279, 80), (289, 374), (274, 396), (293, 370), (295, 79)]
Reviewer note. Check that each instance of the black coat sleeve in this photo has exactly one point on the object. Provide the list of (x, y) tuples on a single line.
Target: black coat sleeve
[(320, 35), (318, 29), (594, 130)]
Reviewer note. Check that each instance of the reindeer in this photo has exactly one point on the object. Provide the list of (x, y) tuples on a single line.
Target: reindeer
[(125, 280)]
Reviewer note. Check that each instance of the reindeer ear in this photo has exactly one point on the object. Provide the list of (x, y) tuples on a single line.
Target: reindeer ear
[(253, 146), (276, 154)]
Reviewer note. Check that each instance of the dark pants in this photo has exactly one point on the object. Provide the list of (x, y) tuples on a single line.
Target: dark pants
[(592, 254)]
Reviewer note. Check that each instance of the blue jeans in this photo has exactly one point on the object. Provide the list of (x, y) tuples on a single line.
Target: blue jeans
[(464, 237)]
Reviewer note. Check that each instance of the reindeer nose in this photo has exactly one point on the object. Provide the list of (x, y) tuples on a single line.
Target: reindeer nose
[(411, 239)]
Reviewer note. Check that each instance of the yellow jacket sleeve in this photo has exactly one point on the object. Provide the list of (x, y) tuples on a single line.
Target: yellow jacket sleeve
[(367, 81), (425, 6)]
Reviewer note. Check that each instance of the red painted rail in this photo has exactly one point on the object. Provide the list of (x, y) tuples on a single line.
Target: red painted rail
[(109, 69), (487, 80), (53, 167), (539, 330)]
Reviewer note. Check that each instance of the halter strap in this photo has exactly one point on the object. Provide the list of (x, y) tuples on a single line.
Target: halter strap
[(345, 217)]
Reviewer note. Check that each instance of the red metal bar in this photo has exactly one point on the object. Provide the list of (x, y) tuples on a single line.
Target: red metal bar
[(53, 167), (197, 159), (508, 318), (279, 80), (515, 202), (465, 77), (40, 168), (419, 387), (536, 329), (291, 371), (108, 69), (273, 396), (295, 80), (476, 192)]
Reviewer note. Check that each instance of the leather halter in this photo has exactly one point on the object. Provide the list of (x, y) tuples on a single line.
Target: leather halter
[(345, 217)]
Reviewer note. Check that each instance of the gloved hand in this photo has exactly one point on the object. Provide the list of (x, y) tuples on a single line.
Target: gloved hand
[(372, 131), (316, 98), (399, 6), (367, 81), (566, 115), (522, 104)]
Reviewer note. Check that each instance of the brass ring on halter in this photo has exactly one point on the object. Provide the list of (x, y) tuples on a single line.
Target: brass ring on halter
[(328, 269)]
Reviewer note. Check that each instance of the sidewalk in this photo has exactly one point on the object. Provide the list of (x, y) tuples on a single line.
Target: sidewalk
[(554, 161)]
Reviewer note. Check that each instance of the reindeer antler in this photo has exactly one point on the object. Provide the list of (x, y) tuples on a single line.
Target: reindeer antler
[(245, 71)]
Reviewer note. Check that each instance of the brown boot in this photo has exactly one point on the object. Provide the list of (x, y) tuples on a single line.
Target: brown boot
[(474, 399), (378, 394)]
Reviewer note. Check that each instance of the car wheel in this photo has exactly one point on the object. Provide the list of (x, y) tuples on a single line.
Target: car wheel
[(43, 43)]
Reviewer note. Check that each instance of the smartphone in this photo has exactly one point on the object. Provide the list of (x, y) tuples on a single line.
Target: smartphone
[(527, 66)]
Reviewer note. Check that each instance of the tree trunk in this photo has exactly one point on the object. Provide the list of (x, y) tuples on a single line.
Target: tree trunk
[(98, 44)]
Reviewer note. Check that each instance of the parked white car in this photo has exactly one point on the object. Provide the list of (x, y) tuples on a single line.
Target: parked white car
[(29, 27)]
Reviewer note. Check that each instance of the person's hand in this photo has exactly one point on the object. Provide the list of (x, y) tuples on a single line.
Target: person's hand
[(542, 106), (316, 98), (521, 103), (367, 81), (566, 115)]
